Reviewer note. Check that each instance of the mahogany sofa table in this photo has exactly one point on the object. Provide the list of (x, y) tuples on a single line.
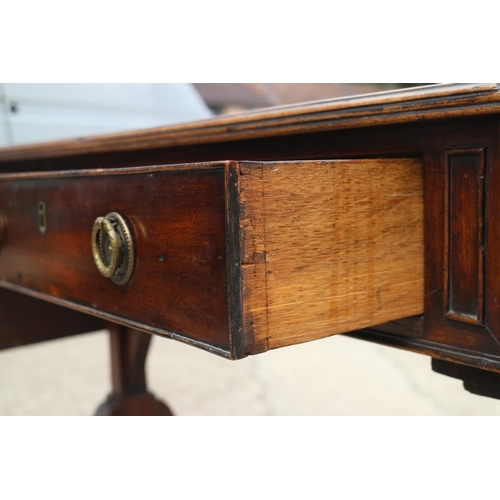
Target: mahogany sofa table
[(375, 216)]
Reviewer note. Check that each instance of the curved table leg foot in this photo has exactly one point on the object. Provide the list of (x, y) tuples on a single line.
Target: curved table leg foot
[(140, 404), (130, 396)]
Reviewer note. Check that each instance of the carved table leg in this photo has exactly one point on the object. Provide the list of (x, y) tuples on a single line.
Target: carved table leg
[(130, 396)]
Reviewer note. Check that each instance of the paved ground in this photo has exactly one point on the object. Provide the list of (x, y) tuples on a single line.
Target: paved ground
[(334, 376)]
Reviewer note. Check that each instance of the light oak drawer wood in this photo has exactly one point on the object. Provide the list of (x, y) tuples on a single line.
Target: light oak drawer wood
[(233, 257), (330, 247)]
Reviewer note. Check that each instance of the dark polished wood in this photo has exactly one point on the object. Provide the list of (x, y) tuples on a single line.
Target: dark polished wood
[(130, 395), (25, 320), (461, 281), (454, 129), (177, 219), (464, 236), (476, 381), (439, 350)]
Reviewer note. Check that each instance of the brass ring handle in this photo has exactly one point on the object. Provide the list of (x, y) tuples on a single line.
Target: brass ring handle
[(103, 224), (112, 248)]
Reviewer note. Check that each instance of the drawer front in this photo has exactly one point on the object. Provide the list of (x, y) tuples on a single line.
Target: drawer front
[(176, 217)]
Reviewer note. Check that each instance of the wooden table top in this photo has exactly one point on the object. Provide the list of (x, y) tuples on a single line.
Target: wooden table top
[(383, 108)]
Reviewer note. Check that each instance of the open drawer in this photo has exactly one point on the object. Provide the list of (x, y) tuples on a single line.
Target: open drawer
[(233, 257)]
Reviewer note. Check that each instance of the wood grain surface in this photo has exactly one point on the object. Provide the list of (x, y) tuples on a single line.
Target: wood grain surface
[(329, 247), (462, 226), (234, 258), (440, 124), (383, 108), (177, 219)]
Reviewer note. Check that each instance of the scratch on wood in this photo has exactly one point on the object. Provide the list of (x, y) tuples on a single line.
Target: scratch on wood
[(493, 335), (434, 291), (175, 296), (397, 195)]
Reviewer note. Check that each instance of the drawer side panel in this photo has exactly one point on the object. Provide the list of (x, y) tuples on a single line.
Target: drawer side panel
[(330, 247)]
